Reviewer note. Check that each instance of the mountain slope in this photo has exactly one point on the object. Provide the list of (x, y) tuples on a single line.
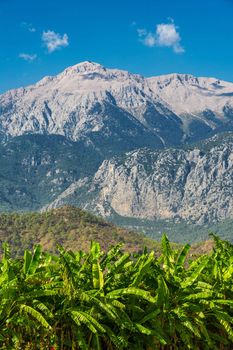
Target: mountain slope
[(119, 145), (115, 109), (193, 184), (35, 169)]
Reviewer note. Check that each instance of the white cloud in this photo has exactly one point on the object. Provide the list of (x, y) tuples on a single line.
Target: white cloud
[(27, 57), (149, 40), (166, 35), (54, 41), (28, 26)]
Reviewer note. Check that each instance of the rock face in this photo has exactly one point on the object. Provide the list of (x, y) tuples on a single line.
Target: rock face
[(119, 144), (194, 184), (117, 109)]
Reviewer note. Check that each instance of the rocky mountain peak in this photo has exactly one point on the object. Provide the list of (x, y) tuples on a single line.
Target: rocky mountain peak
[(129, 124), (83, 67), (186, 81), (88, 98)]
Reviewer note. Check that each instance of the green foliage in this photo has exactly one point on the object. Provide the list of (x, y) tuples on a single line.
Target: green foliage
[(106, 300), (67, 226), (34, 169)]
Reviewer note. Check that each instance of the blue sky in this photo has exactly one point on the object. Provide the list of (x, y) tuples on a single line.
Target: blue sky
[(150, 37)]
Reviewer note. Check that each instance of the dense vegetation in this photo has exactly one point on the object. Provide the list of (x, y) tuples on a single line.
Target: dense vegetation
[(114, 300), (68, 226)]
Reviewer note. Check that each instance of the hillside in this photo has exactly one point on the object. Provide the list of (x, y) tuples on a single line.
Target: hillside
[(70, 227), (74, 229), (122, 146), (192, 184), (35, 169)]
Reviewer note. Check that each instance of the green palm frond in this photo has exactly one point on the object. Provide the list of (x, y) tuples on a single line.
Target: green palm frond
[(152, 332), (196, 273), (81, 317), (136, 292), (36, 314)]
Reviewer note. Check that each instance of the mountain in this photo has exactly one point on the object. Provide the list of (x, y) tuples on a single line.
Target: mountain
[(117, 110), (35, 169), (193, 184), (146, 152)]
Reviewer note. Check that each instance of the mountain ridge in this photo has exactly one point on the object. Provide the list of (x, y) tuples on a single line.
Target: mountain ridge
[(119, 145), (87, 101), (193, 184)]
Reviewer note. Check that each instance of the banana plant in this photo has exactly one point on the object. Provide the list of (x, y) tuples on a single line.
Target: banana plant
[(115, 300)]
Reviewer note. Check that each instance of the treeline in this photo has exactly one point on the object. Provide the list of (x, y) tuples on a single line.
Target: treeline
[(117, 300)]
